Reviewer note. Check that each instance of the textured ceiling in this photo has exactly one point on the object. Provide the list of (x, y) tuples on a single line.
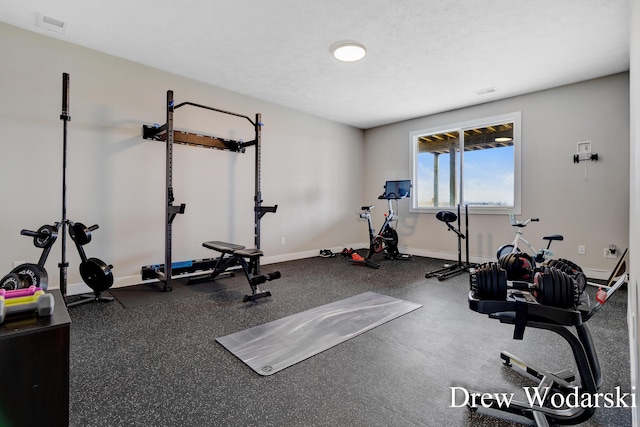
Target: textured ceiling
[(424, 56)]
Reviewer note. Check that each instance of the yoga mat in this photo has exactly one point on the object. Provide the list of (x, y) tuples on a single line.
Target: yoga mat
[(274, 346)]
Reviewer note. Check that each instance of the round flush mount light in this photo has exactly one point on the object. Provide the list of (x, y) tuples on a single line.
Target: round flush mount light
[(348, 51)]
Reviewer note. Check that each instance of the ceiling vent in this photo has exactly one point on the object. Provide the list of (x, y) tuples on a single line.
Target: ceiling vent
[(485, 91), (52, 24)]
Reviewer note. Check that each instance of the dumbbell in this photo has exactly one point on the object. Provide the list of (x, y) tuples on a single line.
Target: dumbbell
[(518, 265), (551, 286), (40, 302), (19, 292), (572, 269)]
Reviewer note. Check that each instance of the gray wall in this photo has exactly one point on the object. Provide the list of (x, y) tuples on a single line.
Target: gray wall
[(311, 167), (593, 212)]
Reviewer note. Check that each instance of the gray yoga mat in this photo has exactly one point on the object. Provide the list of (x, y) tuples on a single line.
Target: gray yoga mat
[(273, 346)]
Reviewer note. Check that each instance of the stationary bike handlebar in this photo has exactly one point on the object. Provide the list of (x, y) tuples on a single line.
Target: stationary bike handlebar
[(516, 223)]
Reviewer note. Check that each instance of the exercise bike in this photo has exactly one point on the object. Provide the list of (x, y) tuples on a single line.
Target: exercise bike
[(539, 255), (386, 240)]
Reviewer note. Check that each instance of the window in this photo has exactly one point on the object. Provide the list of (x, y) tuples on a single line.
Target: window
[(475, 163)]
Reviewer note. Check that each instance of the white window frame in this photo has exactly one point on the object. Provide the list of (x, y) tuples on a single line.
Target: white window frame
[(515, 118)]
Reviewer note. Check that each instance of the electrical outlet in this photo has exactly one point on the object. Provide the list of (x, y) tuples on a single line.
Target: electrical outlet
[(582, 250), (607, 253), (282, 241)]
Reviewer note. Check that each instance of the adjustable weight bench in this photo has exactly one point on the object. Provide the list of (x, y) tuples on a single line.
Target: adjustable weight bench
[(232, 255)]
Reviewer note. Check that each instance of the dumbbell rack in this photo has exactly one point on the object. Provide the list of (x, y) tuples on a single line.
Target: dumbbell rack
[(521, 309)]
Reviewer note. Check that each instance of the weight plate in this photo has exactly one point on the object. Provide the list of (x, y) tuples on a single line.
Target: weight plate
[(96, 274), (501, 285), (571, 264), (80, 233), (518, 266), (32, 274), (556, 288), (47, 234), (504, 250), (10, 282)]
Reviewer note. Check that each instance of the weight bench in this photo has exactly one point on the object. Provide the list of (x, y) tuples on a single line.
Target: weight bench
[(232, 255)]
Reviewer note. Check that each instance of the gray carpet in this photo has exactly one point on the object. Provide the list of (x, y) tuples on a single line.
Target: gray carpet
[(159, 364)]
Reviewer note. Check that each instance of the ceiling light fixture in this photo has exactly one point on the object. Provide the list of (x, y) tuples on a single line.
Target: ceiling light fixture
[(348, 51), (503, 139)]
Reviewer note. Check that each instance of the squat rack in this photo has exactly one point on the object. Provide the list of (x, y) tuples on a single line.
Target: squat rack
[(170, 135)]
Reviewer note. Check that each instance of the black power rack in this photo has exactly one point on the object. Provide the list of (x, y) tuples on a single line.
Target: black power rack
[(167, 133)]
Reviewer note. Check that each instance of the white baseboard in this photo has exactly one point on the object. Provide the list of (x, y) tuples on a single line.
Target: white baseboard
[(308, 254), (119, 282)]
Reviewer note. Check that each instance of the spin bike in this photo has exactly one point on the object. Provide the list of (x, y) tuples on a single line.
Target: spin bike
[(386, 240), (539, 255)]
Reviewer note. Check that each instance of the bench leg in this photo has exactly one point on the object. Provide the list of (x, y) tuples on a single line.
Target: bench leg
[(249, 268)]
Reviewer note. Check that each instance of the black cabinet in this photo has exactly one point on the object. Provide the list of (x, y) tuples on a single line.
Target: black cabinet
[(34, 368)]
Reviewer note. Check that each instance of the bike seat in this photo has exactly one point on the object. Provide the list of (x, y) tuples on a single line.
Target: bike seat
[(367, 208), (553, 237), (446, 216)]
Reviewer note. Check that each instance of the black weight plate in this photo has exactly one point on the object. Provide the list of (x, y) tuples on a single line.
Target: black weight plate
[(96, 274), (32, 274), (557, 290), (495, 288), (517, 265), (541, 283), (571, 264), (504, 250), (47, 234), (557, 296), (80, 233), (581, 282), (10, 282), (478, 281), (501, 283), (569, 290), (487, 289)]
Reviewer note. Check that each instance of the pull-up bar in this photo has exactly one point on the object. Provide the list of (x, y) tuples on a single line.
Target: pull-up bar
[(193, 104)]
